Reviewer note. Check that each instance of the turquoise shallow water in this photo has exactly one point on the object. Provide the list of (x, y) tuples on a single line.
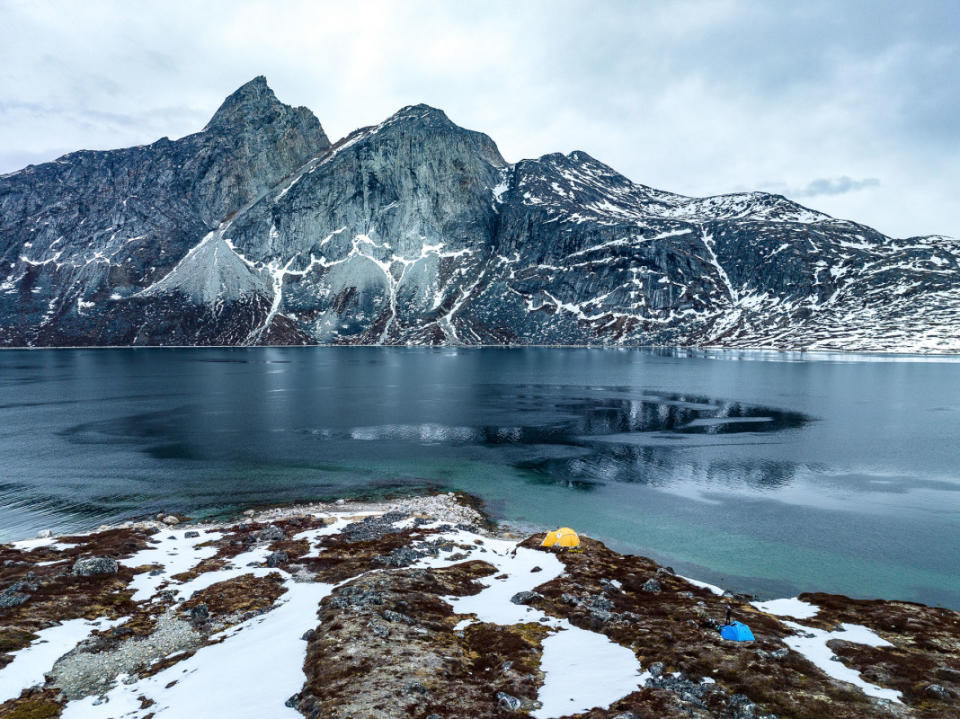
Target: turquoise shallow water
[(765, 472)]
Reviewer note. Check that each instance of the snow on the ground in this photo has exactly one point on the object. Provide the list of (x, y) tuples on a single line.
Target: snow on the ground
[(493, 603), (30, 663), (172, 550), (793, 607), (28, 545), (249, 675), (703, 585), (258, 664), (812, 644), (582, 669)]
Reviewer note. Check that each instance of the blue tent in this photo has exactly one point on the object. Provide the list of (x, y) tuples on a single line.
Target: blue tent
[(736, 632)]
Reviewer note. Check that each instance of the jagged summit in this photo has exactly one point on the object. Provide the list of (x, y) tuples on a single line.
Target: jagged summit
[(416, 231), (251, 102)]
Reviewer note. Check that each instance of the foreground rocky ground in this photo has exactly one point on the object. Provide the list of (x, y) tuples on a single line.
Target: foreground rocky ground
[(418, 608)]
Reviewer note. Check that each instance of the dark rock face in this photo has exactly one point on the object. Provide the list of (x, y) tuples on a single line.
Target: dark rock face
[(257, 231)]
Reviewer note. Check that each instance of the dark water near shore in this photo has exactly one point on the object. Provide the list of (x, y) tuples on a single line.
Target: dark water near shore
[(763, 472)]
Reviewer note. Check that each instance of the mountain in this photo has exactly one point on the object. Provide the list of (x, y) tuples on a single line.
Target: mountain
[(258, 230)]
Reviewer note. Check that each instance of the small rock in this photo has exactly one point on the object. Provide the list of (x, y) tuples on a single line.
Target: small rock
[(379, 628), (939, 691), (780, 653), (414, 688), (199, 614), (293, 701), (651, 585), (191, 534), (248, 513), (536, 569), (171, 520), (506, 666), (401, 557), (685, 595), (13, 599), (740, 707), (95, 566), (600, 602), (656, 669), (275, 559), (665, 570), (508, 702), (525, 597), (44, 534), (308, 635), (599, 617), (396, 617)]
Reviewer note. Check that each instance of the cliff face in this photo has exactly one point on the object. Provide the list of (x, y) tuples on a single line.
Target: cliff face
[(257, 231)]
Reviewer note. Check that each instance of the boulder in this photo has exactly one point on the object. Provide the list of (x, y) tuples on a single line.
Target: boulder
[(95, 566), (12, 599), (170, 520), (508, 702), (192, 534), (525, 597), (270, 533), (651, 585), (275, 559), (199, 614)]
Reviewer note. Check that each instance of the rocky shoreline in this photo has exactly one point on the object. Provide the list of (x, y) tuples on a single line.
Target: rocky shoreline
[(418, 607)]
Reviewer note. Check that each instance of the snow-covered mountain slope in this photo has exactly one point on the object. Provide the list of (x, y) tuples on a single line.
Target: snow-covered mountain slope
[(415, 231)]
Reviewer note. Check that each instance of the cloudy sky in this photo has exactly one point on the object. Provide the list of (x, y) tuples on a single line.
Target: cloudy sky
[(849, 107)]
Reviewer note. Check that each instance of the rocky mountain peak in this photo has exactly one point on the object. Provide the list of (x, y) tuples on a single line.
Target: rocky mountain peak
[(254, 104)]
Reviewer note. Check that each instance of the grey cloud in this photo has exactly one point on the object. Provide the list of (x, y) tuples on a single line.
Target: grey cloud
[(836, 186)]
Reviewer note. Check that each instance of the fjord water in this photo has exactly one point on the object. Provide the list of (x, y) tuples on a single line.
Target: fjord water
[(767, 473)]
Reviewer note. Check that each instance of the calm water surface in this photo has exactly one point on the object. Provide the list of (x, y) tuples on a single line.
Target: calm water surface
[(763, 472)]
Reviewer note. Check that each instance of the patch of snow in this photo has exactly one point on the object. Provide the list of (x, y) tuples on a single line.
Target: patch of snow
[(32, 662), (703, 585), (175, 553), (583, 670), (28, 545), (248, 675), (796, 608), (812, 644)]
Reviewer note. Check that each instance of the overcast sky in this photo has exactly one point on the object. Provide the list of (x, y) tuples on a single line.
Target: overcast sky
[(849, 107)]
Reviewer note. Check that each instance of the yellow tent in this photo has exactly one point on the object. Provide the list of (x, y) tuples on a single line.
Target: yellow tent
[(563, 537)]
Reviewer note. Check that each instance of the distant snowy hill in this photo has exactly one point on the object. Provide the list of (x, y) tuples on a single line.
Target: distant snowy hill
[(257, 230)]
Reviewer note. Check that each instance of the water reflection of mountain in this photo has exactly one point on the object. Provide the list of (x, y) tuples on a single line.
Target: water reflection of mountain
[(658, 467), (574, 436)]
